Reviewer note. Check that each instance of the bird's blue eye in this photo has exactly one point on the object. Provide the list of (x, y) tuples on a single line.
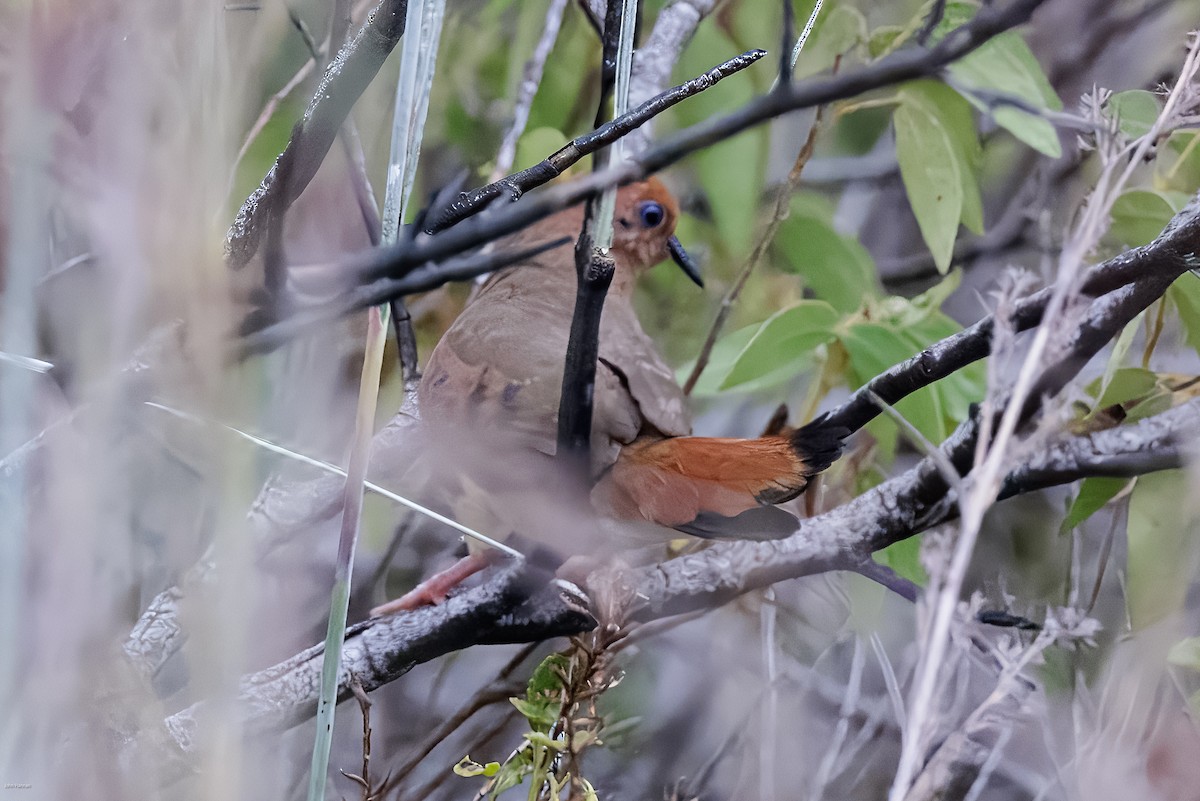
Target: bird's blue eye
[(651, 213)]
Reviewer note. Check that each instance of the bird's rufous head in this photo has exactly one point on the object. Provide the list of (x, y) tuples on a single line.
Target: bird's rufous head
[(644, 228)]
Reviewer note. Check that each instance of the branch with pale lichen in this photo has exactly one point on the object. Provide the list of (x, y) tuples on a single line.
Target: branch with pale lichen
[(287, 509), (382, 649)]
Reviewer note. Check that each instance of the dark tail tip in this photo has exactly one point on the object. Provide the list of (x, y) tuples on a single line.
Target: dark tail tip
[(819, 444)]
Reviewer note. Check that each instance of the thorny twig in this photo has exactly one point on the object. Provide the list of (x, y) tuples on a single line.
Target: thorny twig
[(363, 780), (517, 184)]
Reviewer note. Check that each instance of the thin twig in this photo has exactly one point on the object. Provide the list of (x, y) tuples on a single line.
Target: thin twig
[(363, 780), (340, 86), (268, 111), (783, 199), (531, 79), (498, 690), (517, 184), (421, 279), (895, 68)]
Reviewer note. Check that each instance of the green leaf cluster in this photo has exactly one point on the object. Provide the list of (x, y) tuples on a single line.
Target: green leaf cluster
[(937, 146), (854, 347), (542, 707)]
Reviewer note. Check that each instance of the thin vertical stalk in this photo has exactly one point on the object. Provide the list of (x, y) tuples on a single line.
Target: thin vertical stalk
[(368, 392), (412, 105), (27, 142), (593, 266), (408, 124), (603, 230)]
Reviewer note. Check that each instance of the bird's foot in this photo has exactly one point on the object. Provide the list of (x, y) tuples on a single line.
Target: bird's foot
[(433, 590)]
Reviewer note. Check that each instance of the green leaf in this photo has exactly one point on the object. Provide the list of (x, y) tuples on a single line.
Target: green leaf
[(512, 773), (1037, 132), (1186, 653), (1162, 549), (722, 359), (1119, 350), (547, 678), (468, 767), (541, 714), (838, 30), (1126, 384), (955, 114), (543, 692), (1006, 65), (932, 176), (1094, 493), (1177, 166), (905, 558), (837, 268), (1185, 294), (1140, 215), (904, 312), (812, 204), (731, 172), (783, 337), (884, 39), (1135, 111), (545, 741)]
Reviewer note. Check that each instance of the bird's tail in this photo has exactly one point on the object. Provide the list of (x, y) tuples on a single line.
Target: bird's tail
[(818, 444), (676, 481)]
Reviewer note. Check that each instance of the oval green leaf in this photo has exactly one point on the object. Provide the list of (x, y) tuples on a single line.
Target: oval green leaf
[(782, 338), (1140, 215), (932, 178)]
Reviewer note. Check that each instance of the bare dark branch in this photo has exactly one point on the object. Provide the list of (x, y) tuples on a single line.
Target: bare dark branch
[(422, 279), (381, 649), (343, 81), (555, 164), (1166, 258), (896, 68)]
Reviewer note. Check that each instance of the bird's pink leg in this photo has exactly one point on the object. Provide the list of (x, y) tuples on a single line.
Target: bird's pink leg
[(434, 589)]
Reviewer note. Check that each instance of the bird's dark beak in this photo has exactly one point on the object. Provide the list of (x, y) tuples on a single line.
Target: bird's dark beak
[(684, 261)]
